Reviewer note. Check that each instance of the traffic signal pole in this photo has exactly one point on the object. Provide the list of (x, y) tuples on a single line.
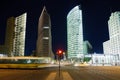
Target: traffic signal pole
[(59, 54), (59, 65)]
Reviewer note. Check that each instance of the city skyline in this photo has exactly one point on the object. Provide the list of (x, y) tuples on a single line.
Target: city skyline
[(95, 17)]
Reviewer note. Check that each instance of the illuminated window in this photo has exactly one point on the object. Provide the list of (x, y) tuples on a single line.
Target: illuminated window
[(45, 37), (45, 27)]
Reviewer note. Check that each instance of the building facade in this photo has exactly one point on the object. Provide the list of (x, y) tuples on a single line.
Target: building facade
[(87, 47), (104, 60), (44, 45), (74, 33), (7, 47), (10, 35), (112, 46), (15, 36), (19, 35)]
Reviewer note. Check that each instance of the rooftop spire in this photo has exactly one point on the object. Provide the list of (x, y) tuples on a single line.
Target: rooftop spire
[(44, 9)]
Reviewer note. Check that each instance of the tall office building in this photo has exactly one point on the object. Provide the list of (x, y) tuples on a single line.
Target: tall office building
[(75, 33), (19, 35), (112, 46), (9, 35), (43, 45), (15, 36)]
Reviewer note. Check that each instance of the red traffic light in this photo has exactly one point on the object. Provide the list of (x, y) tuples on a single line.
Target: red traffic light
[(59, 52)]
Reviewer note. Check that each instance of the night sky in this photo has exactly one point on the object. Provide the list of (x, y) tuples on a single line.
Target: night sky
[(95, 17)]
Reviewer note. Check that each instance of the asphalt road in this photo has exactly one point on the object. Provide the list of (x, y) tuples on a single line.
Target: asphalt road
[(66, 73)]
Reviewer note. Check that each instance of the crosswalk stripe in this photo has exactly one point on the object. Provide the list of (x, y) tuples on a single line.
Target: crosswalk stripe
[(51, 76), (66, 76)]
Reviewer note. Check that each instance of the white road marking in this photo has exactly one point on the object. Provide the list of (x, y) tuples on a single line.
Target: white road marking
[(51, 76)]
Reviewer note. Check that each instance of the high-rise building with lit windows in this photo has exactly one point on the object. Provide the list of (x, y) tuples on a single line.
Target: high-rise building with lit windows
[(19, 35), (7, 47), (44, 45), (10, 35), (112, 46), (75, 33), (15, 36)]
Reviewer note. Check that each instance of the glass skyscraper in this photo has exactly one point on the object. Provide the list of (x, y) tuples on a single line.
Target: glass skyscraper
[(75, 33)]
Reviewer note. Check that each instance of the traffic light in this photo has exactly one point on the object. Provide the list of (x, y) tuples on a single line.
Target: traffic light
[(59, 53)]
